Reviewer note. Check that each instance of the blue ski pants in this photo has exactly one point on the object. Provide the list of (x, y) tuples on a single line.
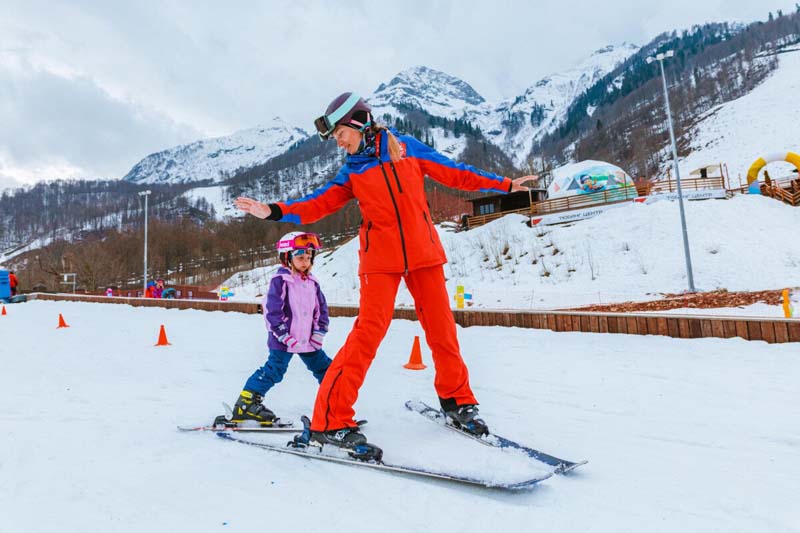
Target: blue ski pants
[(273, 370)]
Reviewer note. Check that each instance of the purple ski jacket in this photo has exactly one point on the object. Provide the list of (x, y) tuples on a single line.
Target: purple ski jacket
[(294, 310)]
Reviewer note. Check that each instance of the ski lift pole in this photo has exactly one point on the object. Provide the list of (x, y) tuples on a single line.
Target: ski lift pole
[(687, 255)]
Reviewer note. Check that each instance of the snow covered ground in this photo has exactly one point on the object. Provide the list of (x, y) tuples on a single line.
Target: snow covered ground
[(761, 122), (632, 253), (681, 435)]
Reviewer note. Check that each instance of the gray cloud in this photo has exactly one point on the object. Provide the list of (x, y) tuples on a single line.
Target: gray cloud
[(95, 86)]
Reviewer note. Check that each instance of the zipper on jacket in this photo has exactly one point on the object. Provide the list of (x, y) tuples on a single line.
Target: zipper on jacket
[(397, 179), (430, 234), (366, 236), (397, 213)]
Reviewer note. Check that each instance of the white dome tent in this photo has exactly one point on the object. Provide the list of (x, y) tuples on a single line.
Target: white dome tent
[(587, 177)]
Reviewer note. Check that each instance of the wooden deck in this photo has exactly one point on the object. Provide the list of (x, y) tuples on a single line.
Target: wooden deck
[(613, 196)]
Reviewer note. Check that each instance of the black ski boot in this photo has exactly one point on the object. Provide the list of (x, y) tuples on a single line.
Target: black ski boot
[(465, 418), (248, 409), (350, 440)]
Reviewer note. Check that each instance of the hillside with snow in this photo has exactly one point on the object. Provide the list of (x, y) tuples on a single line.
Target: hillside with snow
[(517, 123), (632, 253), (509, 124), (764, 121), (219, 158)]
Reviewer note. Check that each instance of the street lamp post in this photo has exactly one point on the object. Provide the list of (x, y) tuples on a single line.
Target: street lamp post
[(660, 58), (144, 283)]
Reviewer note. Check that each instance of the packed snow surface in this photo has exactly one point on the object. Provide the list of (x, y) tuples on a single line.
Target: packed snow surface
[(760, 123), (681, 435)]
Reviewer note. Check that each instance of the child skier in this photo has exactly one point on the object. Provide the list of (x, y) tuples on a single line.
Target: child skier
[(296, 317)]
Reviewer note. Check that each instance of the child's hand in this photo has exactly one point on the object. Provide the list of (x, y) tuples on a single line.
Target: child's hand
[(289, 341), (316, 340)]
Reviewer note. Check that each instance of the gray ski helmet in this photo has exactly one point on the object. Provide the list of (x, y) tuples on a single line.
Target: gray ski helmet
[(347, 109)]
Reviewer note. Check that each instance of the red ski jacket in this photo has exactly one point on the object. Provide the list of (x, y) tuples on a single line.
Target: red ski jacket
[(397, 233)]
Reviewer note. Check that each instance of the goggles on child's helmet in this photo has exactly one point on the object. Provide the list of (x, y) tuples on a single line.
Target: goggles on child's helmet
[(298, 241), (348, 109)]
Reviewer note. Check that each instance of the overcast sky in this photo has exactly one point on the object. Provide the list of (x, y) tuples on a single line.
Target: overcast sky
[(88, 88)]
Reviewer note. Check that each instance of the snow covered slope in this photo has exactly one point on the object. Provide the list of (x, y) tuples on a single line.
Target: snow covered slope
[(514, 124), (507, 124), (628, 253), (217, 159), (764, 121), (511, 124), (681, 435)]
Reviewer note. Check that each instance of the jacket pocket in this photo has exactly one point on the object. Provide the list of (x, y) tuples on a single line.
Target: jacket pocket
[(428, 225), (366, 236)]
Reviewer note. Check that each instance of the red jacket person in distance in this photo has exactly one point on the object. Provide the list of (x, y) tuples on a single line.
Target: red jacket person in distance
[(385, 172)]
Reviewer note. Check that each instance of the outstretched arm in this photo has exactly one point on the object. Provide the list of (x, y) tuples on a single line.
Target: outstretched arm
[(460, 175), (326, 200)]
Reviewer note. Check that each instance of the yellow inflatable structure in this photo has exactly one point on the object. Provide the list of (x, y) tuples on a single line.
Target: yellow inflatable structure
[(761, 162)]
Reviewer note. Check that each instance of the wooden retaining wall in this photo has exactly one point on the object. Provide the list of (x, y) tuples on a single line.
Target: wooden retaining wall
[(771, 330)]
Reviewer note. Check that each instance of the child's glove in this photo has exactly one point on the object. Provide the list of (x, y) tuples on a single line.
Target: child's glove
[(316, 340), (289, 341)]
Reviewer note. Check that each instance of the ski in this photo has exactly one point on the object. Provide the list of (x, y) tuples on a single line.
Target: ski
[(242, 429), (223, 423), (336, 455), (562, 466)]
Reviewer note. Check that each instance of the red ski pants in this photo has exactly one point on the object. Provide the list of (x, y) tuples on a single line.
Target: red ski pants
[(339, 389)]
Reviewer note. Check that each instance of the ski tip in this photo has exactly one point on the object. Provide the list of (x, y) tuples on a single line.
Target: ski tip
[(566, 468)]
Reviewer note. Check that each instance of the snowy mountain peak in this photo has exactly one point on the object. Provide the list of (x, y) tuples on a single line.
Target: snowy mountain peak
[(515, 124), (426, 88), (218, 158)]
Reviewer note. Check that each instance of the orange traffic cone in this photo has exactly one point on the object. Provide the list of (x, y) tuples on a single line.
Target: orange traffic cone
[(162, 337), (61, 322), (4, 311), (415, 361)]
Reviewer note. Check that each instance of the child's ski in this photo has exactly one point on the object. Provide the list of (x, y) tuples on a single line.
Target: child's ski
[(224, 423)]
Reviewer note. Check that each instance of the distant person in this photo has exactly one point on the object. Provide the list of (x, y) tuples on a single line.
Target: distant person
[(150, 292), (169, 293), (12, 279), (109, 292), (385, 172), (296, 316), (159, 289)]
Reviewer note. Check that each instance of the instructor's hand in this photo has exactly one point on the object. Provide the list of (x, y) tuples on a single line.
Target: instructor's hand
[(517, 183), (248, 205)]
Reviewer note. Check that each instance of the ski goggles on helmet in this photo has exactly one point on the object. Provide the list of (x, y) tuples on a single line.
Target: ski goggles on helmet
[(301, 242), (327, 123)]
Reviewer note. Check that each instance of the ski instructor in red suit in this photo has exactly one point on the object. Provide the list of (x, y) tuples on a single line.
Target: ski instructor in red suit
[(385, 172)]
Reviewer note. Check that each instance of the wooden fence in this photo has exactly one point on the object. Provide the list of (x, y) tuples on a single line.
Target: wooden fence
[(787, 191), (771, 330)]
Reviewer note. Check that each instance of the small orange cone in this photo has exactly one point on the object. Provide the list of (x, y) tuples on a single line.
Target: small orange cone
[(415, 361), (162, 337), (61, 322), (4, 311)]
